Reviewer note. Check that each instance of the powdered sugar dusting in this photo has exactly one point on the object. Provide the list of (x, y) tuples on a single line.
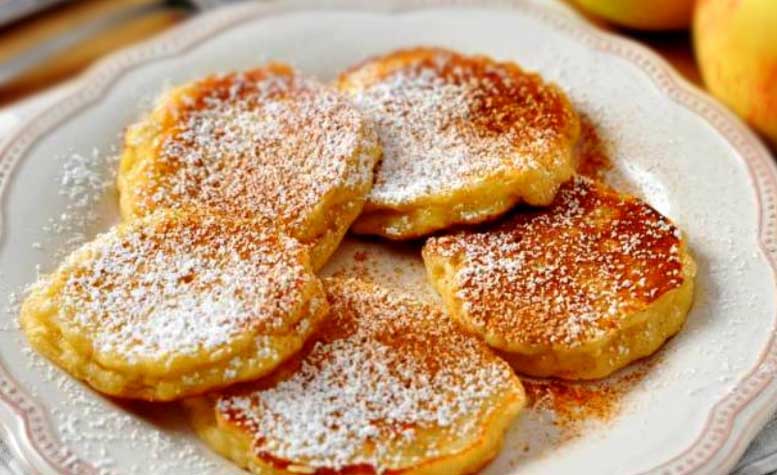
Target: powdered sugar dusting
[(446, 122), (86, 181), (97, 428), (565, 274), (385, 369), (265, 142), (182, 284)]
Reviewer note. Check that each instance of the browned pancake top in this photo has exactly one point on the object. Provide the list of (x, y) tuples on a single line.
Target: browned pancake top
[(262, 142), (446, 120), (384, 373), (566, 273), (178, 284)]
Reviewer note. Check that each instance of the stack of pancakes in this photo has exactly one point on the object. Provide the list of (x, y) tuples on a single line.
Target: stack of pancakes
[(236, 189)]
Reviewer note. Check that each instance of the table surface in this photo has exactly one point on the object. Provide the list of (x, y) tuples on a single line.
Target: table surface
[(15, 39)]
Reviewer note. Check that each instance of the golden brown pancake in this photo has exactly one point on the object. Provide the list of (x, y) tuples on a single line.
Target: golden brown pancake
[(390, 385), (265, 142), (576, 290), (175, 304), (465, 138)]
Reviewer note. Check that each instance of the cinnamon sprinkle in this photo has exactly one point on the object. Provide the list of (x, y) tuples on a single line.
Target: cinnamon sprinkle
[(575, 404), (446, 120), (265, 142), (384, 373), (567, 273), (592, 152), (176, 284)]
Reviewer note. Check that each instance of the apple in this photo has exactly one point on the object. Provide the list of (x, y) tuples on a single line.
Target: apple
[(642, 14), (736, 48)]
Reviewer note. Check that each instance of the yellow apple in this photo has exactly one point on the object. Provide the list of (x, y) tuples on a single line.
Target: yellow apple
[(736, 47), (642, 14)]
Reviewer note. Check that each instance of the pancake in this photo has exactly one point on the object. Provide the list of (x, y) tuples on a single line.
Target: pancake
[(175, 304), (390, 385), (265, 142), (576, 290), (464, 139)]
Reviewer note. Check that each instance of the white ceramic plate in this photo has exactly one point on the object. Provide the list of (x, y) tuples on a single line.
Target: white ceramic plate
[(710, 390)]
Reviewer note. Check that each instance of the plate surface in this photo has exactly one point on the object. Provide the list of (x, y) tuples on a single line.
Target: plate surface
[(694, 411)]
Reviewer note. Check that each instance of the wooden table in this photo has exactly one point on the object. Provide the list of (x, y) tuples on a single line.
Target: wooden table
[(675, 46), (20, 36)]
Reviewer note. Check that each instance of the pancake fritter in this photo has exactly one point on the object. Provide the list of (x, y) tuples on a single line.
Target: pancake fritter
[(464, 139), (265, 142), (576, 290), (175, 304), (390, 385)]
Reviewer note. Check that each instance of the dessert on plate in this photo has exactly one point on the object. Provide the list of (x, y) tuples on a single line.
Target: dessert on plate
[(174, 304), (576, 290), (265, 142), (465, 138), (388, 385), (237, 188)]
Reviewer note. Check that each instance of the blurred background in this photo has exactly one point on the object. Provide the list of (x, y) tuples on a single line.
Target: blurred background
[(728, 47)]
